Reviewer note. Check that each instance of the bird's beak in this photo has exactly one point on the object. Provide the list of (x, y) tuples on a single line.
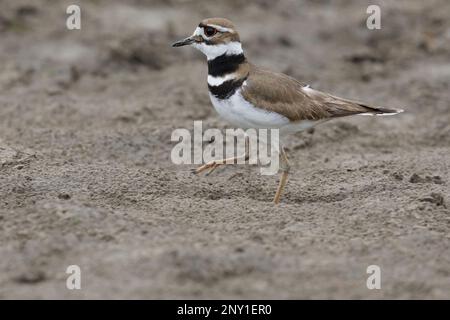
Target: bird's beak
[(184, 42)]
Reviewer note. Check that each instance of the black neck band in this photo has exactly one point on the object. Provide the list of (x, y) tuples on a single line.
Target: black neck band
[(225, 64), (226, 89)]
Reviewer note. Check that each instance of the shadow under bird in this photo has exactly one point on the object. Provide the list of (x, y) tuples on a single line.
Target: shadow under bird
[(250, 97)]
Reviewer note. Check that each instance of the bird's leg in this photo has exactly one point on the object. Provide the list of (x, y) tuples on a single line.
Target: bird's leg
[(212, 165), (285, 167)]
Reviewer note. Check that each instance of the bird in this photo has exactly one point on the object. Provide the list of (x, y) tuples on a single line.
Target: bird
[(248, 96)]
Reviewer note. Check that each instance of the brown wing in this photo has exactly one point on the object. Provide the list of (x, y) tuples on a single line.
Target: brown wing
[(284, 95)]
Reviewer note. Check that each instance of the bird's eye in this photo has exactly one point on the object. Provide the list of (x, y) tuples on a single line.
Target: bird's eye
[(210, 31)]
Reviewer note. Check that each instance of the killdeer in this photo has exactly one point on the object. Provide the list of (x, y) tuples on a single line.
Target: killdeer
[(251, 97)]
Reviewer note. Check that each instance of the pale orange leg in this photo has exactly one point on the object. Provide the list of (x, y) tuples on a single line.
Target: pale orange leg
[(212, 165), (285, 167)]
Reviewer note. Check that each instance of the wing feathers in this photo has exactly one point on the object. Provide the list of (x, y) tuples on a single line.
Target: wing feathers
[(285, 95)]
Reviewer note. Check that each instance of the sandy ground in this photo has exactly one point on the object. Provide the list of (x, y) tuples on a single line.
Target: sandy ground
[(86, 178)]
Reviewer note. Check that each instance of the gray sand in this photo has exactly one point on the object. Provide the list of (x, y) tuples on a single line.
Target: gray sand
[(86, 177)]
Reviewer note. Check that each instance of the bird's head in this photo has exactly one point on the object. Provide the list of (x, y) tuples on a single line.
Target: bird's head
[(214, 37)]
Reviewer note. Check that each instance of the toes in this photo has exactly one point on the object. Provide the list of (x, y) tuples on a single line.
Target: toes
[(204, 167), (211, 170), (211, 166)]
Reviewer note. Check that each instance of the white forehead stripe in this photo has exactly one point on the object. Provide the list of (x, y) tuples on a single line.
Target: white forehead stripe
[(220, 28), (198, 32)]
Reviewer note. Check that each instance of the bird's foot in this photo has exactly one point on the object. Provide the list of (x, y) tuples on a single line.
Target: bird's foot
[(210, 166)]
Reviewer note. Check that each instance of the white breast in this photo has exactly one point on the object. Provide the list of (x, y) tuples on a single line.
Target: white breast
[(243, 114)]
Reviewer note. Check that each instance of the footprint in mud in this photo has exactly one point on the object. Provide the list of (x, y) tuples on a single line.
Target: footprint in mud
[(435, 198), (415, 178), (17, 156), (30, 277)]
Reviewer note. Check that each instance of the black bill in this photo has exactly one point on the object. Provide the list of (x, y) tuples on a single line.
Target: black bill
[(184, 42)]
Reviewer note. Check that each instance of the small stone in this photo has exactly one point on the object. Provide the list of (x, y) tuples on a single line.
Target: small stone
[(436, 179), (64, 196), (397, 176), (415, 178)]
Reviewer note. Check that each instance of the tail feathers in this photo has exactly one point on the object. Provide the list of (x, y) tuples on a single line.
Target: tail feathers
[(340, 107), (380, 111)]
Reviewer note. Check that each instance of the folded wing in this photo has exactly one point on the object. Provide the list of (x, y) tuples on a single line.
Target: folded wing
[(282, 94)]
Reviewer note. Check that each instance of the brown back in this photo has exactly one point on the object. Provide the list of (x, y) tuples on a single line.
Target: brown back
[(285, 95)]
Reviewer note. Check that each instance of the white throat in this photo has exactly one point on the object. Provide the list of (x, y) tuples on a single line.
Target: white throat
[(213, 51)]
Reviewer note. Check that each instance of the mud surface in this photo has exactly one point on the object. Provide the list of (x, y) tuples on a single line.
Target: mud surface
[(86, 178)]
